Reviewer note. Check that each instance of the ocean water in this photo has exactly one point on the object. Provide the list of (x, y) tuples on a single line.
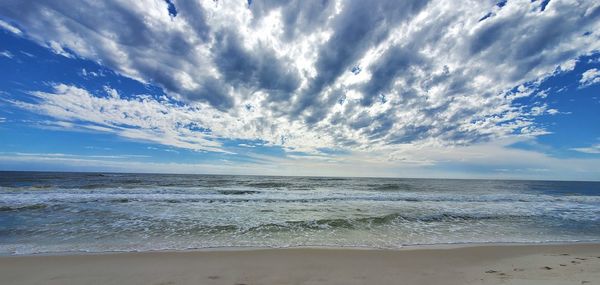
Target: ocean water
[(97, 212)]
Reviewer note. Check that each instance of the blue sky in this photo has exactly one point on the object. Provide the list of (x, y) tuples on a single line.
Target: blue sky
[(340, 88)]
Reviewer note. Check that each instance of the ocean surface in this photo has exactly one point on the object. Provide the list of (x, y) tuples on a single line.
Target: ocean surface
[(97, 212)]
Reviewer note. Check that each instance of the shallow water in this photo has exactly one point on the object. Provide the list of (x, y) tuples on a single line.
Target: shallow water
[(57, 212)]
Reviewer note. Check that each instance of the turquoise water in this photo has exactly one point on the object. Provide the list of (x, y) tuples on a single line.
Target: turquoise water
[(96, 212)]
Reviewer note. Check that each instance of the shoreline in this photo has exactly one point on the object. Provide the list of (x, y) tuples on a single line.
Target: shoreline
[(572, 263), (409, 247)]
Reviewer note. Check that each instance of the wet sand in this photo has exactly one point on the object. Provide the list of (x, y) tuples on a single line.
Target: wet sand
[(484, 264)]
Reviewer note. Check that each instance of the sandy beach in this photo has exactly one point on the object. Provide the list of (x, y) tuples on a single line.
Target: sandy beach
[(484, 264)]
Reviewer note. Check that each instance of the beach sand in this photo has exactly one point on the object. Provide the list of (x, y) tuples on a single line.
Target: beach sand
[(485, 264)]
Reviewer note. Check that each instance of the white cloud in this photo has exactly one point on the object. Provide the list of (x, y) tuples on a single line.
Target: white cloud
[(543, 94), (538, 110), (6, 54), (543, 109), (245, 145), (10, 28), (74, 156), (88, 73), (594, 149), (568, 65), (162, 149), (590, 77)]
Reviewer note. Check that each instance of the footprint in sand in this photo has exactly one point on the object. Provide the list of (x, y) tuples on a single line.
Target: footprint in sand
[(547, 267), (501, 274), (213, 277)]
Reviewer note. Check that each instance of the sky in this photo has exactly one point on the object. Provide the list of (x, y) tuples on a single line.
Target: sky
[(386, 88)]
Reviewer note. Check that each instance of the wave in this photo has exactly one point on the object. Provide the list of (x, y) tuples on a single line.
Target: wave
[(191, 226), (254, 196), (367, 222)]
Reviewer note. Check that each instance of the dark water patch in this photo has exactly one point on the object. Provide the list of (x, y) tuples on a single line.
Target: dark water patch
[(237, 192), (96, 175), (121, 200), (41, 186), (269, 184), (138, 200), (131, 181), (94, 186), (391, 187), (308, 210), (327, 179), (216, 182), (22, 208), (445, 217)]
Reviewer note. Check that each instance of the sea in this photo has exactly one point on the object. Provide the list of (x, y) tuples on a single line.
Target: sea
[(44, 212)]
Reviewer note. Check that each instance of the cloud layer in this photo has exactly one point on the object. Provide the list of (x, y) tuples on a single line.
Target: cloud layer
[(358, 75)]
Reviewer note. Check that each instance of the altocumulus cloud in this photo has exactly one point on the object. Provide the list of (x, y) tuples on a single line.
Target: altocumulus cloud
[(358, 75), (591, 76)]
